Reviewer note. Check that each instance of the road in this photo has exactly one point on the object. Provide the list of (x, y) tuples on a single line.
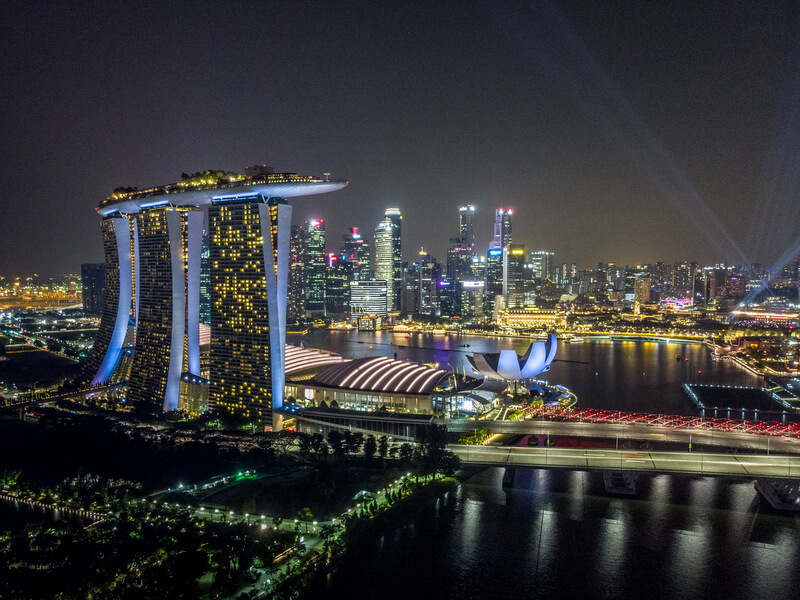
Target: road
[(701, 463), (729, 439)]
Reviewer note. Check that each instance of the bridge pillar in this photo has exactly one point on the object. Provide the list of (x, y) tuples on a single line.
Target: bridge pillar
[(782, 494), (620, 482)]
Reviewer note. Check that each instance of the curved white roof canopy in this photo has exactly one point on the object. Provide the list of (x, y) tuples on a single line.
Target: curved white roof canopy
[(221, 193)]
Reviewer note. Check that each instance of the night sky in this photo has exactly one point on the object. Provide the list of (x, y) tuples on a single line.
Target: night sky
[(627, 132)]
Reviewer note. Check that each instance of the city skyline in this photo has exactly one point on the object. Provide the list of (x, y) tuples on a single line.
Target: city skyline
[(631, 135)]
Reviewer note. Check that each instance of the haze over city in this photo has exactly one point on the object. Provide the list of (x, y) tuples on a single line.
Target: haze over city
[(632, 134)]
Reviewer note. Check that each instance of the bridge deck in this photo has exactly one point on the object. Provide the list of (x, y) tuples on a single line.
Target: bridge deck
[(701, 463)]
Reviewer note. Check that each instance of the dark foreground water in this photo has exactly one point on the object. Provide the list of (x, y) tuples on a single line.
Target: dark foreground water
[(557, 534), (17, 517)]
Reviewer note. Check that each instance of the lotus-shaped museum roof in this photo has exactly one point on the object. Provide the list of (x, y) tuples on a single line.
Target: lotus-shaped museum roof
[(507, 364)]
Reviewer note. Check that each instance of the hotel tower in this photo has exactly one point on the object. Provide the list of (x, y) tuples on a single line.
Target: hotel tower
[(149, 333)]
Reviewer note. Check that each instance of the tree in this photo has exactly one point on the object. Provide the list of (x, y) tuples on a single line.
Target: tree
[(305, 444), (370, 446), (406, 452), (383, 446), (336, 441)]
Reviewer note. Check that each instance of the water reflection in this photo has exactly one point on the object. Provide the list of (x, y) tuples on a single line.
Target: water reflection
[(681, 537)]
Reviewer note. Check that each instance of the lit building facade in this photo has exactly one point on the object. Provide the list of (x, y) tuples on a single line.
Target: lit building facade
[(384, 259), (396, 219), (494, 280), (355, 250), (296, 307), (466, 226), (514, 275), (314, 267), (368, 298)]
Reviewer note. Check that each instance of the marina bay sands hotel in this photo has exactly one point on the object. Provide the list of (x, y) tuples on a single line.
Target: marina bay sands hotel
[(150, 329)]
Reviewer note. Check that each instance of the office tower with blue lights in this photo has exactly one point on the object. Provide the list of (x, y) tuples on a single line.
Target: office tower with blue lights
[(153, 241), (494, 280), (502, 228)]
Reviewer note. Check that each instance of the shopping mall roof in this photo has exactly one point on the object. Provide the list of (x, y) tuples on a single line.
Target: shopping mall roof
[(381, 374)]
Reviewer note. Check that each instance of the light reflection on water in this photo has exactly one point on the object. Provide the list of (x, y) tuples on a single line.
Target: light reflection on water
[(680, 537)]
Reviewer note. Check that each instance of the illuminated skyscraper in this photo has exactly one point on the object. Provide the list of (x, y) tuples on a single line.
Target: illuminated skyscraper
[(250, 263), (296, 308), (396, 219), (466, 226), (502, 228), (168, 305), (355, 250), (205, 282), (428, 281), (514, 276), (314, 267), (384, 259), (542, 263), (337, 287), (494, 279)]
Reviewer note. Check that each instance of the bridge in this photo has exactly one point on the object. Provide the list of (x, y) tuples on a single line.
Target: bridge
[(749, 466), (63, 395), (777, 477)]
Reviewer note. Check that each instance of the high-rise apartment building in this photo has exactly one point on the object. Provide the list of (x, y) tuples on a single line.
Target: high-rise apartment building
[(641, 290), (314, 267)]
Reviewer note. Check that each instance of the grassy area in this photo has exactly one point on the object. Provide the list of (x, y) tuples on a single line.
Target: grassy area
[(72, 336), (28, 366)]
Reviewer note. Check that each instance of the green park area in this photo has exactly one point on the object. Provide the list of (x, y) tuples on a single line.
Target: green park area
[(173, 510), (29, 367)]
